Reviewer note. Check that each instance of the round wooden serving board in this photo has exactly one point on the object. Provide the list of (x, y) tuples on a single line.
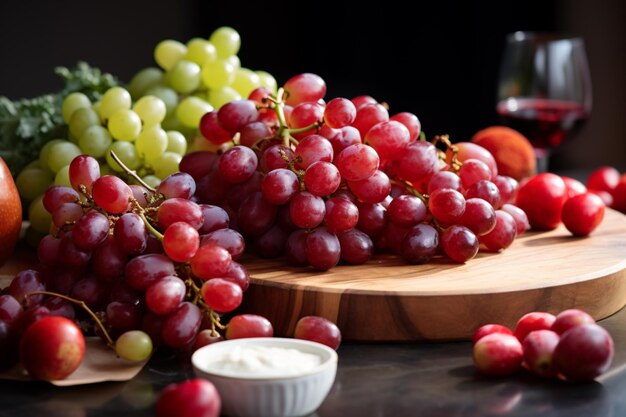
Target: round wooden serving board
[(388, 300)]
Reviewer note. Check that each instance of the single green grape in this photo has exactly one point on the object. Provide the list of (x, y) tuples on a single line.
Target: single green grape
[(200, 51), (168, 95), (168, 52), (39, 218), (234, 61), (95, 141), (32, 182), (151, 143), (218, 73), (191, 109), (114, 99), (73, 102), (81, 119), (144, 80), (184, 76), (220, 96), (126, 152), (124, 124), (63, 177), (134, 345), (166, 164), (61, 154), (152, 180), (245, 81), (226, 40), (268, 81), (176, 142), (150, 109), (45, 151), (32, 164)]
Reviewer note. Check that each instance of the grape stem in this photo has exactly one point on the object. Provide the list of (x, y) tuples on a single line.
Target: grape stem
[(85, 307), (131, 172), (197, 299), (455, 164), (151, 228), (304, 129), (279, 108)]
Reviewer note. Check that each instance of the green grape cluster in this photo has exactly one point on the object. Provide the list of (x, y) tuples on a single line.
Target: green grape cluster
[(114, 123), (197, 77), (150, 123)]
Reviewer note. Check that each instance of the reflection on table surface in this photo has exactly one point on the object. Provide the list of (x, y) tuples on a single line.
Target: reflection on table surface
[(413, 379)]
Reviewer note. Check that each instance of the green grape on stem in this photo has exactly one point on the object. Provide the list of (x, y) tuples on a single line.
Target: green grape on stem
[(168, 52), (150, 109), (218, 73), (166, 164), (200, 51), (63, 177), (184, 76), (95, 141), (245, 81), (114, 99), (127, 153), (176, 142), (168, 95), (191, 109), (124, 124), (73, 102), (226, 40), (61, 154), (134, 345), (268, 81), (220, 96), (81, 119), (32, 182), (39, 218), (151, 143), (144, 80)]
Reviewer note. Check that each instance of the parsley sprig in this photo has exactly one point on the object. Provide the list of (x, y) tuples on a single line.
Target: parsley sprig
[(27, 124)]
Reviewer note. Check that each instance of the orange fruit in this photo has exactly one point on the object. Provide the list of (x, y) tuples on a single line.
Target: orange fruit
[(10, 213), (513, 153)]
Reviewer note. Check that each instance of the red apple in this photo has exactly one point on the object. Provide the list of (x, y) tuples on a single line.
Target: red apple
[(567, 319), (52, 348), (483, 331), (195, 397), (538, 348), (584, 352), (498, 354), (537, 320)]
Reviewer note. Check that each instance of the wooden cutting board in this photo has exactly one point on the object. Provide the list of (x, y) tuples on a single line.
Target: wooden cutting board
[(388, 300)]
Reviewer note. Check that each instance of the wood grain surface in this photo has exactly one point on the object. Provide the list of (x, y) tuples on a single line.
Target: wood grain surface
[(388, 300)]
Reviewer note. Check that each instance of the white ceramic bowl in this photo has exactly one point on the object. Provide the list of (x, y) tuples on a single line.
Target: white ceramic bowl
[(268, 396)]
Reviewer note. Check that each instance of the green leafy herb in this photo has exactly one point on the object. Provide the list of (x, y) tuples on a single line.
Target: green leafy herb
[(27, 124)]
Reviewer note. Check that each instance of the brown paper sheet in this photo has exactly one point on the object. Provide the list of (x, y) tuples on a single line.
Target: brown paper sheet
[(100, 364)]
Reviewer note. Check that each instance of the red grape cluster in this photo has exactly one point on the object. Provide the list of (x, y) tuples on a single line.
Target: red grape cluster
[(137, 258), (569, 346), (322, 182)]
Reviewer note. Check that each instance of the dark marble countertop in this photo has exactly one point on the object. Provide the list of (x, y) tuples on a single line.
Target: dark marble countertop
[(413, 379)]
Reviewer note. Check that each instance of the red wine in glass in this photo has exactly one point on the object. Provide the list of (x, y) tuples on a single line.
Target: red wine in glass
[(546, 123), (544, 89)]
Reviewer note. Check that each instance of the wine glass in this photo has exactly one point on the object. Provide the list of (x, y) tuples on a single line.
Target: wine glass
[(544, 89)]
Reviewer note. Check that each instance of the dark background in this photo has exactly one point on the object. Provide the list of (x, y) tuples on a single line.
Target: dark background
[(438, 60)]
